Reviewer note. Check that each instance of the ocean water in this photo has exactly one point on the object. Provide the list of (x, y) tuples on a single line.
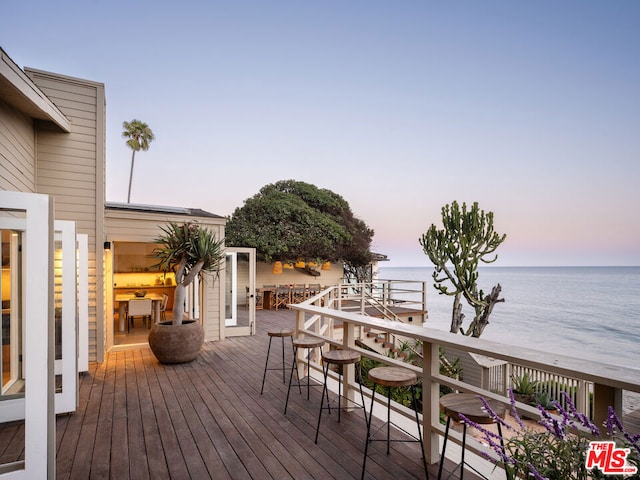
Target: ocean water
[(587, 312)]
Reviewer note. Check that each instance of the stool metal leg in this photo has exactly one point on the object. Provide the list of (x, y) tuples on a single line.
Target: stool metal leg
[(293, 367), (309, 352), (283, 379), (502, 446), (414, 404), (464, 443), (361, 392), (415, 409), (324, 392), (444, 447), (388, 417), (366, 445), (266, 363)]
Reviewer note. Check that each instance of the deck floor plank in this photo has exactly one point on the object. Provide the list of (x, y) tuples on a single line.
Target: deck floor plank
[(139, 419), (101, 460)]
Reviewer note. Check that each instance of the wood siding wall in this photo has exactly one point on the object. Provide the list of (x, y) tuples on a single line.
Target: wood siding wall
[(126, 226), (17, 151), (71, 167)]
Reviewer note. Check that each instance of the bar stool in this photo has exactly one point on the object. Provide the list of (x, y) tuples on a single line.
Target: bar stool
[(310, 344), (339, 358), (391, 377), (279, 333), (473, 408)]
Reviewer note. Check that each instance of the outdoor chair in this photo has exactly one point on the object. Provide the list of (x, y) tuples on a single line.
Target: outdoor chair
[(314, 289), (283, 296), (298, 294), (259, 299)]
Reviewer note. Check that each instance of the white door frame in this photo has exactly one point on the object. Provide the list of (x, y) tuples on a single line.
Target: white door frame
[(67, 400), (250, 328), (37, 306), (83, 302)]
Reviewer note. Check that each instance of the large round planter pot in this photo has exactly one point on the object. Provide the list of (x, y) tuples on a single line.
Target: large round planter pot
[(176, 343)]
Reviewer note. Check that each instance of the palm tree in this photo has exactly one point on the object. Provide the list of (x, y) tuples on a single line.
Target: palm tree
[(139, 137)]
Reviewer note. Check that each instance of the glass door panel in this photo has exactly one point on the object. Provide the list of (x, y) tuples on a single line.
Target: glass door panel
[(230, 283), (240, 295)]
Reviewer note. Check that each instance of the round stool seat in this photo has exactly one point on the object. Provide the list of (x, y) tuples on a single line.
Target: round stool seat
[(473, 408), (341, 357), (469, 405), (308, 342), (281, 332), (392, 376)]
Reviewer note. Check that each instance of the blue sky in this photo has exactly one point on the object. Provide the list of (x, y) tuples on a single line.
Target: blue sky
[(530, 108)]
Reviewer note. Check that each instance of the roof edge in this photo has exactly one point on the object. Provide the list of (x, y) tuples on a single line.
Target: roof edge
[(24, 90), (136, 207)]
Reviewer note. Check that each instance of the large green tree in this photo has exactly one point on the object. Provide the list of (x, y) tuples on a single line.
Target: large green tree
[(290, 220), (456, 250), (139, 136)]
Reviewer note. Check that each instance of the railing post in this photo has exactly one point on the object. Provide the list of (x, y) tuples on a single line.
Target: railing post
[(430, 401), (348, 371), (603, 397), (425, 315), (300, 360)]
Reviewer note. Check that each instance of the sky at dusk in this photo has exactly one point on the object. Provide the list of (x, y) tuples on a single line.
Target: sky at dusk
[(531, 109)]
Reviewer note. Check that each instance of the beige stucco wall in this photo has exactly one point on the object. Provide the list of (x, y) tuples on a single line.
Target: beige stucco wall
[(264, 276), (71, 168), (140, 226)]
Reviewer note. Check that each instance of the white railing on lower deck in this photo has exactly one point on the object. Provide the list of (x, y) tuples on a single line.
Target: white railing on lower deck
[(318, 316)]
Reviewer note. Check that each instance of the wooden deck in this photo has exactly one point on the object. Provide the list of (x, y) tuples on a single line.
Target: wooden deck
[(139, 419)]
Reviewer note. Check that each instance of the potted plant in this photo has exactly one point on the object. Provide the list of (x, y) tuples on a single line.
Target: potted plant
[(524, 388), (543, 399), (188, 250)]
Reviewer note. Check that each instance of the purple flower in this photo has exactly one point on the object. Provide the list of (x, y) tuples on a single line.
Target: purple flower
[(514, 410), (613, 421), (494, 415), (535, 473), (488, 436)]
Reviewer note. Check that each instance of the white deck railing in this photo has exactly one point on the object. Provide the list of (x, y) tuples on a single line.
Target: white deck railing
[(318, 317)]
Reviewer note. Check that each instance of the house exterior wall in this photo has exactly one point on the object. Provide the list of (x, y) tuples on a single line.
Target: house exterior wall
[(52, 141), (71, 168), (17, 150), (128, 226)]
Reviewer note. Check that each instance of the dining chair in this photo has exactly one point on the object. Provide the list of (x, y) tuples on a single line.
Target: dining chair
[(139, 308), (163, 306)]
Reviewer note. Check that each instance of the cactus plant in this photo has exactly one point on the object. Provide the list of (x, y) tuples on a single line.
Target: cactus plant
[(456, 250)]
